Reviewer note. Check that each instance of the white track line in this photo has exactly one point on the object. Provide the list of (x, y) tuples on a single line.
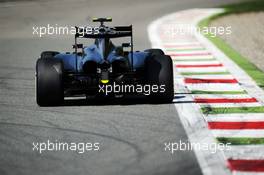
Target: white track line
[(170, 49), (245, 152), (227, 105), (185, 52), (228, 96), (176, 44), (234, 117), (246, 173), (215, 87), (198, 62), (224, 76), (238, 133), (193, 57), (204, 69)]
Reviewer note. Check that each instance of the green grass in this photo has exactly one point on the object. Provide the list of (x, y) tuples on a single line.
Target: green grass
[(253, 71), (229, 110), (240, 140), (250, 6)]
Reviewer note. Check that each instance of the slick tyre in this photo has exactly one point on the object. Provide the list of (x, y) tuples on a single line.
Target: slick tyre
[(49, 82), (159, 71)]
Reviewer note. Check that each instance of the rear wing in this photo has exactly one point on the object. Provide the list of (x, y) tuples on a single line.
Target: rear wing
[(105, 32)]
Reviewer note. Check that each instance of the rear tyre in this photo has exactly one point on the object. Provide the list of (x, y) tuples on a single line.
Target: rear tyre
[(155, 51), (159, 71), (49, 83), (48, 54)]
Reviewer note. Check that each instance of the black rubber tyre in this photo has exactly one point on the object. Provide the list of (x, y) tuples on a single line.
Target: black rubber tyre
[(48, 54), (159, 71), (155, 51), (49, 83)]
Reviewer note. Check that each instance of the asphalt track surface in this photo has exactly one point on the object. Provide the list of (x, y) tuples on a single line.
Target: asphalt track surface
[(131, 136)]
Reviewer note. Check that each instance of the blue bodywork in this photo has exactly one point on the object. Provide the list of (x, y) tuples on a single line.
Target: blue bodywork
[(94, 53)]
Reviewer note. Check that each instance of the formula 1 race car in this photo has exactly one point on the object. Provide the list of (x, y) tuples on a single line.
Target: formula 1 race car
[(103, 69)]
